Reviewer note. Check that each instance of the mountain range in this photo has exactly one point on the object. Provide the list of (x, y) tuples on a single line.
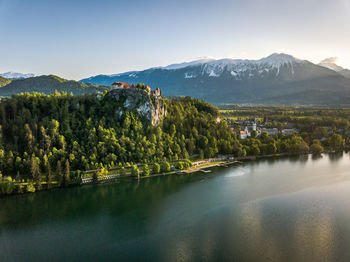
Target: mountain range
[(15, 75), (276, 79), (46, 85)]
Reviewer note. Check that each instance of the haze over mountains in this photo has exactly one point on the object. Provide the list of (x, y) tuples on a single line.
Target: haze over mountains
[(276, 79), (330, 63)]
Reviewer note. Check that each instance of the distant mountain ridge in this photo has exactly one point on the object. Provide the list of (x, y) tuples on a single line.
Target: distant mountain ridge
[(15, 75), (333, 66), (46, 85), (276, 79)]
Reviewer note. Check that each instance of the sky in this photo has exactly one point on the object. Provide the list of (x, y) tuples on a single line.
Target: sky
[(80, 38)]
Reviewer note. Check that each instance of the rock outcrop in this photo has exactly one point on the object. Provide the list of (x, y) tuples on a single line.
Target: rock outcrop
[(149, 107)]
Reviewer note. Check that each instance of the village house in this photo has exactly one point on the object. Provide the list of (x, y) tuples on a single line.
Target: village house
[(243, 134)]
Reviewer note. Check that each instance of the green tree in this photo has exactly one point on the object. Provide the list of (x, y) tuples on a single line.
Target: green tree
[(30, 187), (67, 174), (7, 186), (316, 148), (30, 140), (35, 171), (179, 165), (59, 172), (165, 167), (254, 134), (122, 171), (156, 168), (145, 170), (49, 176), (135, 171), (336, 142), (102, 173)]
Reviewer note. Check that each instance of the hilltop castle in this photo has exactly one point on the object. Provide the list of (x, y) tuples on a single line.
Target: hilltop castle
[(139, 98), (144, 87)]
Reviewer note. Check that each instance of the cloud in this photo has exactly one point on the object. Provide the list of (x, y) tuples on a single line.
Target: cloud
[(204, 57), (330, 60)]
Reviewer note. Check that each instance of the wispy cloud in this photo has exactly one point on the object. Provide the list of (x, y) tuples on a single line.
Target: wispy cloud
[(330, 60)]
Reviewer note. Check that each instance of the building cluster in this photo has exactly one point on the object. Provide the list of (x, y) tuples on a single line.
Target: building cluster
[(147, 88), (248, 127)]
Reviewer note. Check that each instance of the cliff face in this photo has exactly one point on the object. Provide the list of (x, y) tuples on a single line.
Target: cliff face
[(149, 107)]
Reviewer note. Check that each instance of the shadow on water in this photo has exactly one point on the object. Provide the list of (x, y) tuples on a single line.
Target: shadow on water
[(117, 200), (275, 159)]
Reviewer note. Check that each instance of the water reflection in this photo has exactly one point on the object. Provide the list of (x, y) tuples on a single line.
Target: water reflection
[(316, 156), (285, 209), (334, 157)]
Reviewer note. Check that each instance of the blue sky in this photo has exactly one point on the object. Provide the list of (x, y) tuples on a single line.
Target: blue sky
[(75, 39)]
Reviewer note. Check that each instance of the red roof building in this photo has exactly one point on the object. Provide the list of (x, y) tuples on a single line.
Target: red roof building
[(121, 84)]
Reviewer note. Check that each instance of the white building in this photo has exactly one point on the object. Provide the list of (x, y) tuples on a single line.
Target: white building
[(270, 131)]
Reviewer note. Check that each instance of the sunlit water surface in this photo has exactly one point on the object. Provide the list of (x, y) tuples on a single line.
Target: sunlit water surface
[(283, 209)]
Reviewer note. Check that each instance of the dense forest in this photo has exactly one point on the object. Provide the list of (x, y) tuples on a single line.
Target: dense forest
[(47, 140), (50, 137)]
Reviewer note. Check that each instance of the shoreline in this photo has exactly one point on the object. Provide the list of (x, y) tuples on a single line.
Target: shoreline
[(194, 169)]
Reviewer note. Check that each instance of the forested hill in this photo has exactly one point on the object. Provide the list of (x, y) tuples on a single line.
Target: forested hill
[(46, 85), (47, 140), (47, 134)]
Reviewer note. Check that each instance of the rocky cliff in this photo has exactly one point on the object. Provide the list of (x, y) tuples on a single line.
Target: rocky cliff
[(148, 106)]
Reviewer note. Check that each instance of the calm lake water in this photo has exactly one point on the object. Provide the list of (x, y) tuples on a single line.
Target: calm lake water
[(286, 209)]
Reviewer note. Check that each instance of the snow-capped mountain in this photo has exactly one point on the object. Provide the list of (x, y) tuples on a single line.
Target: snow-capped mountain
[(238, 68), (14, 75), (278, 78)]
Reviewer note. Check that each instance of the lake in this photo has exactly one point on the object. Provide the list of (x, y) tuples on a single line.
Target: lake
[(281, 209)]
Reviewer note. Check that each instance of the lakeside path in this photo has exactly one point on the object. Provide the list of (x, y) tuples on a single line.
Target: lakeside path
[(199, 168), (203, 167)]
